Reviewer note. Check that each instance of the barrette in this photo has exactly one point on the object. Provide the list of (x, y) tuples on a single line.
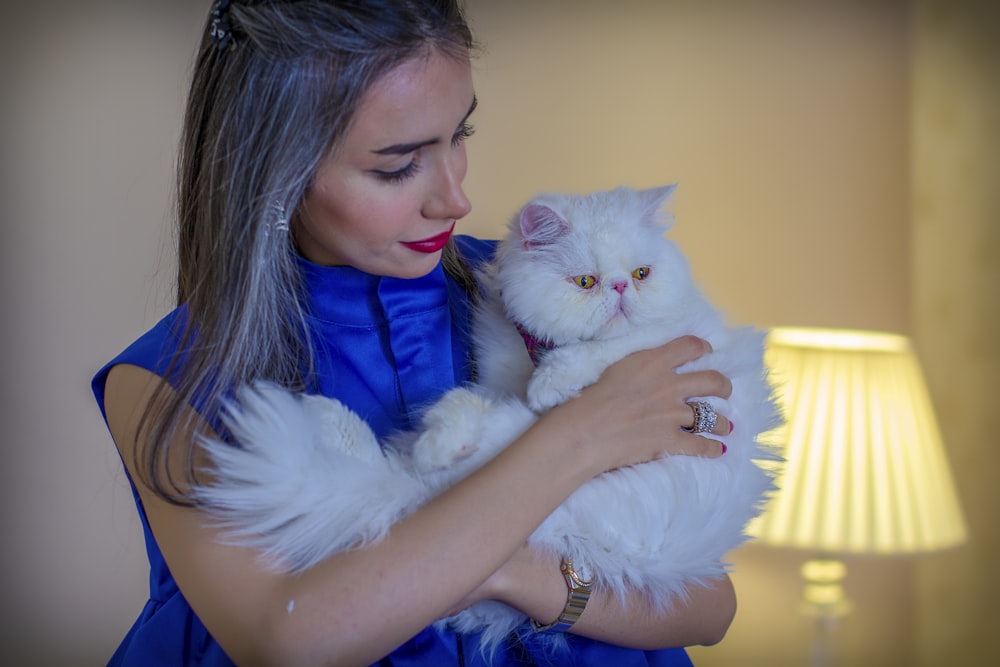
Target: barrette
[(222, 30)]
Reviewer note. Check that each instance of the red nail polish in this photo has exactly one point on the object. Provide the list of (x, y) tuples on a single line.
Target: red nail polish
[(724, 448), (731, 426)]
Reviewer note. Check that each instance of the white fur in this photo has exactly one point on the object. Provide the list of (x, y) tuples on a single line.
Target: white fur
[(310, 480)]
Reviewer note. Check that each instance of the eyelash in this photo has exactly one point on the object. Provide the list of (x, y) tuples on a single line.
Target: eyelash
[(465, 131), (399, 175)]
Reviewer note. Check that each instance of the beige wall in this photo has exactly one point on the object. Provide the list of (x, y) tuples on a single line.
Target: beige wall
[(787, 125), (91, 102), (956, 309), (784, 123)]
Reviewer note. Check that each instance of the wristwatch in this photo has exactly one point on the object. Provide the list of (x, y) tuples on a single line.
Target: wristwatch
[(578, 591)]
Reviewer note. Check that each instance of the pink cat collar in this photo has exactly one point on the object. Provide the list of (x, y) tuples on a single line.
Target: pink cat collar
[(536, 346)]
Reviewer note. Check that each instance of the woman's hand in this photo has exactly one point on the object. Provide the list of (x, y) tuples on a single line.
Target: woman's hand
[(640, 406)]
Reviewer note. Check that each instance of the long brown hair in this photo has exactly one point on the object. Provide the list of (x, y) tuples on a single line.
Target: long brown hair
[(275, 86)]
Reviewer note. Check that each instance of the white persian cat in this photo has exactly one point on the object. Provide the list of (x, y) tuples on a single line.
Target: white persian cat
[(595, 278)]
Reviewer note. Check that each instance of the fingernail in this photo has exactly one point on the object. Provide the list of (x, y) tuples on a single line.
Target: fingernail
[(731, 426), (724, 448)]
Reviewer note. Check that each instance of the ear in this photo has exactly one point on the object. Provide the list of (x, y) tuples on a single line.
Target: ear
[(540, 225), (653, 200)]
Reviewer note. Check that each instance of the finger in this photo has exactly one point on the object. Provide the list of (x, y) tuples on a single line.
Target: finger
[(706, 383), (686, 348), (690, 444), (722, 426)]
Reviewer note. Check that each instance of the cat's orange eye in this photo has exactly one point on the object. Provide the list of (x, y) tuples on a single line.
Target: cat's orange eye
[(586, 282), (641, 273)]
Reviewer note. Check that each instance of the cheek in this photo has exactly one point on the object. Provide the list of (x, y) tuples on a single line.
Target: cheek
[(322, 206), (384, 217), (462, 163), (344, 213)]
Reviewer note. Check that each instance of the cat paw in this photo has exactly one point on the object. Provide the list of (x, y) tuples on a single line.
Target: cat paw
[(545, 390), (432, 452), (453, 428), (341, 429)]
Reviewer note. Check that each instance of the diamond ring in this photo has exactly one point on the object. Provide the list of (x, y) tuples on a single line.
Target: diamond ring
[(705, 417)]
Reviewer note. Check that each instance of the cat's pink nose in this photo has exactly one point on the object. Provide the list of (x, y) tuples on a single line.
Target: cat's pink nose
[(619, 286)]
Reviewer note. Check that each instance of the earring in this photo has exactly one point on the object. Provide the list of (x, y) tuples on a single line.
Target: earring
[(279, 222)]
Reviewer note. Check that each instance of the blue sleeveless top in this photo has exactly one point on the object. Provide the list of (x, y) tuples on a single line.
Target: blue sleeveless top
[(384, 347)]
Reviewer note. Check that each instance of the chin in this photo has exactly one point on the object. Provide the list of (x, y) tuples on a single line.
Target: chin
[(412, 267)]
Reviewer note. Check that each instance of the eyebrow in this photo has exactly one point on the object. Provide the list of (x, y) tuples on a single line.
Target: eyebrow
[(403, 149)]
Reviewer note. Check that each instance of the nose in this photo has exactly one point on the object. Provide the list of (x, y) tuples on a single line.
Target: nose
[(447, 201), (619, 286)]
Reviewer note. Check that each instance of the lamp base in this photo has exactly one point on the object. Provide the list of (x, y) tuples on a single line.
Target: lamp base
[(824, 600), (824, 591)]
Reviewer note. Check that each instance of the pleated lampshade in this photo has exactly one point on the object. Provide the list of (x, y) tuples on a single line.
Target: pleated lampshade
[(865, 470)]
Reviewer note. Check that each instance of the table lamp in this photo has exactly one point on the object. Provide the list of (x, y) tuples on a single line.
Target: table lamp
[(865, 469)]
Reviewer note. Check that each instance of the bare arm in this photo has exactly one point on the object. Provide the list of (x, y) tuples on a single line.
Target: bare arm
[(530, 582), (357, 606)]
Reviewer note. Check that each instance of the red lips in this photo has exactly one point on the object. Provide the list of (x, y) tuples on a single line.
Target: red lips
[(431, 245)]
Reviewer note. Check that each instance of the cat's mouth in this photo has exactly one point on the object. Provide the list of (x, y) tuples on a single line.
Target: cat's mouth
[(616, 324), (623, 312)]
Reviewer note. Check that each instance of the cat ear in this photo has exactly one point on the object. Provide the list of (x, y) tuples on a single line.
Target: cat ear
[(653, 200), (540, 225)]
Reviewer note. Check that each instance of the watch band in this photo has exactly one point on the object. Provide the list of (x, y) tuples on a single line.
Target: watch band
[(577, 594)]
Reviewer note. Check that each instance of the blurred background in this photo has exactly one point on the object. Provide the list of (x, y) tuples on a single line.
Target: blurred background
[(838, 167)]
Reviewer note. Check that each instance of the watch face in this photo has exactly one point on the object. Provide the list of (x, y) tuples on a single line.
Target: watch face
[(583, 571)]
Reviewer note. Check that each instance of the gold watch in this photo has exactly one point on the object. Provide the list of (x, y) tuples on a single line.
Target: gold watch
[(577, 594)]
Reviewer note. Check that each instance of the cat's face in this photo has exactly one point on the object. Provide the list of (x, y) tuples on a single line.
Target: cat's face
[(585, 267)]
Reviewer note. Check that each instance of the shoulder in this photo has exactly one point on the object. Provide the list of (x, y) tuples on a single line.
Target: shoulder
[(154, 351)]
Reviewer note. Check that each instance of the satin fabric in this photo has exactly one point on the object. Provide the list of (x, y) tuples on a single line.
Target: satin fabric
[(385, 347)]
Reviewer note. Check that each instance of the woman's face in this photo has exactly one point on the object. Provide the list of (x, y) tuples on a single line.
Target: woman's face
[(388, 199)]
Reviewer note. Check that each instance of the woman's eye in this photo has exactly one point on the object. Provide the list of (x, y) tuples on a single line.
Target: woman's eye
[(641, 273), (465, 131), (399, 174), (586, 282)]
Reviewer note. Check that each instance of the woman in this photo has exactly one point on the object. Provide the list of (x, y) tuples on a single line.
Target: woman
[(320, 181)]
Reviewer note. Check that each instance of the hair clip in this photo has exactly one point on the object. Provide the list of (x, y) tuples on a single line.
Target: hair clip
[(222, 31)]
